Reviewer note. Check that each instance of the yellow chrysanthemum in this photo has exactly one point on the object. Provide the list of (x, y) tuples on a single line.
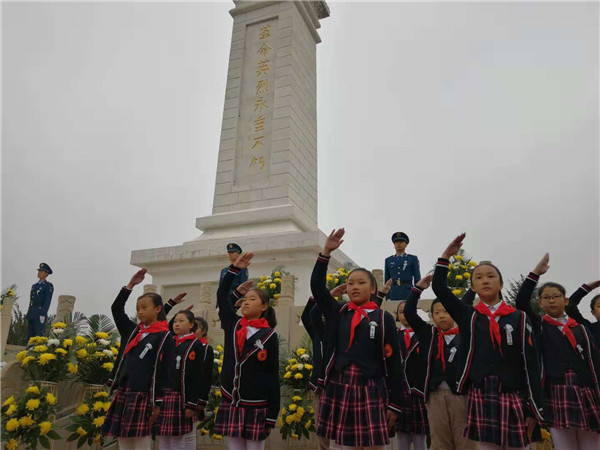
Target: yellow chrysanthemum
[(9, 401), (472, 263), (279, 422), (80, 340), (283, 411), (277, 280), (11, 445), (294, 436), (60, 351), (21, 355), (219, 348), (11, 410), (33, 390), (277, 274), (105, 406), (263, 278), (45, 358), (545, 435), (26, 421), (99, 355), (310, 409), (276, 296), (296, 398), (50, 398), (307, 426), (308, 366), (458, 257), (301, 351), (218, 394), (287, 375), (40, 348), (292, 360), (82, 353), (82, 409), (289, 419), (98, 421), (12, 425), (272, 286), (45, 427), (118, 344), (114, 351), (294, 367), (101, 335), (467, 275), (300, 411), (292, 407), (103, 394), (219, 370), (458, 277), (32, 404), (36, 340), (203, 431), (108, 366), (298, 376), (67, 343), (73, 368), (456, 291), (98, 406), (217, 437), (97, 439), (80, 431), (59, 325)]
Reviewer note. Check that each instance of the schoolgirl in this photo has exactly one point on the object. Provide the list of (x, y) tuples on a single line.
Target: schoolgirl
[(187, 386), (139, 375), (412, 426), (504, 400), (440, 342), (363, 372), (250, 376), (573, 310), (571, 362)]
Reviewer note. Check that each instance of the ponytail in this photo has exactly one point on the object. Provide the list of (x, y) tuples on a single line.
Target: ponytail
[(269, 315)]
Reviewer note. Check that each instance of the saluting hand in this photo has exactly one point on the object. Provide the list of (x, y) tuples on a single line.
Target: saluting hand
[(333, 241), (386, 287), (425, 282), (137, 278), (594, 284), (179, 297), (338, 291), (542, 267), (454, 246), (243, 261), (245, 287)]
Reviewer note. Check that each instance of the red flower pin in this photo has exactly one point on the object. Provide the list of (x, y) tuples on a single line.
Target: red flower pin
[(387, 350), (262, 355), (192, 355)]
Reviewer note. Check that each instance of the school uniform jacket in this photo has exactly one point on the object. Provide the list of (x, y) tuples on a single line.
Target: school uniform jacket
[(517, 366), (250, 380), (145, 367), (384, 362), (428, 338), (314, 325), (558, 355), (573, 311)]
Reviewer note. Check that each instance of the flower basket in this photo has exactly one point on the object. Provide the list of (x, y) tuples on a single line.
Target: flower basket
[(46, 359), (459, 273), (88, 419), (271, 284), (298, 370), (94, 358)]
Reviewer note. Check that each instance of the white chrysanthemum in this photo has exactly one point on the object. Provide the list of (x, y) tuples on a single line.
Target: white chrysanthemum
[(54, 341), (305, 357), (108, 353), (103, 342), (218, 361), (58, 330), (300, 366)]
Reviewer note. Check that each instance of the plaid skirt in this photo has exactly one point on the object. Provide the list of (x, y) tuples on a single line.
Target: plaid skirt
[(352, 410), (571, 406), (495, 416), (413, 419), (128, 415), (246, 423), (171, 420)]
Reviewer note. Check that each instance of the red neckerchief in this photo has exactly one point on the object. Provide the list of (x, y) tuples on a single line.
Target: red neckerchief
[(156, 327), (503, 310), (359, 313), (204, 340), (407, 332), (187, 337), (566, 331), (441, 335), (240, 334)]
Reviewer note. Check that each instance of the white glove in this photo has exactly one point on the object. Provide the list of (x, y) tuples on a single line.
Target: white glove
[(42, 319)]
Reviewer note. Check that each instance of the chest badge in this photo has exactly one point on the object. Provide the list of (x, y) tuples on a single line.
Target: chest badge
[(192, 355), (387, 350)]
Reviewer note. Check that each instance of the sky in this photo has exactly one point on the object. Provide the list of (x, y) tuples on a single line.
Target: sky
[(433, 119)]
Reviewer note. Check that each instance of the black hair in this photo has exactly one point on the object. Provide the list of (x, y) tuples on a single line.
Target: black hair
[(398, 307), (371, 279), (202, 323), (489, 263), (435, 302), (269, 313), (551, 284), (157, 301), (594, 300), (190, 317)]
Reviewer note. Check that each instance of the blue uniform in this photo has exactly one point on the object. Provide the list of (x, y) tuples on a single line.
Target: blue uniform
[(39, 303), (239, 278), (405, 272)]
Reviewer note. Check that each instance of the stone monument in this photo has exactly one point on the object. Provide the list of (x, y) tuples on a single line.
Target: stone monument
[(265, 195)]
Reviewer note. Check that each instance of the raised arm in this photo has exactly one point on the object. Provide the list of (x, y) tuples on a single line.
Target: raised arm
[(226, 310), (523, 299), (576, 297), (318, 279), (460, 312), (124, 324), (421, 327)]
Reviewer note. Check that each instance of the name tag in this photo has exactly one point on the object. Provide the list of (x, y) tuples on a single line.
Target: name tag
[(509, 330), (580, 350), (372, 326), (146, 350), (178, 362), (452, 353)]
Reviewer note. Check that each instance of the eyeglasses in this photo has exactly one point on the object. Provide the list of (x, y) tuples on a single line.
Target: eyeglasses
[(553, 297)]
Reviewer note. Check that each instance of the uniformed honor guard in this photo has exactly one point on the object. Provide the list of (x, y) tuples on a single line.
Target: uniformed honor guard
[(39, 303), (234, 250), (401, 268)]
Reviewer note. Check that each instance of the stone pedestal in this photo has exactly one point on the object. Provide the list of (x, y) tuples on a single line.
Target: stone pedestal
[(5, 319), (64, 309)]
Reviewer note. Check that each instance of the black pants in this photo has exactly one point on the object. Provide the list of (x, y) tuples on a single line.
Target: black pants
[(36, 328)]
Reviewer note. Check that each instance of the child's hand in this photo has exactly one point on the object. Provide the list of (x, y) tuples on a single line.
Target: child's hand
[(190, 414), (189, 308), (530, 423), (454, 246), (154, 416), (338, 291), (425, 282), (137, 278), (333, 241), (593, 285), (542, 267), (243, 261), (390, 417), (245, 287), (386, 287), (179, 297)]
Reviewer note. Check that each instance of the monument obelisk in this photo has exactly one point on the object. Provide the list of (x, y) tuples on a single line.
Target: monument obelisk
[(265, 195)]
